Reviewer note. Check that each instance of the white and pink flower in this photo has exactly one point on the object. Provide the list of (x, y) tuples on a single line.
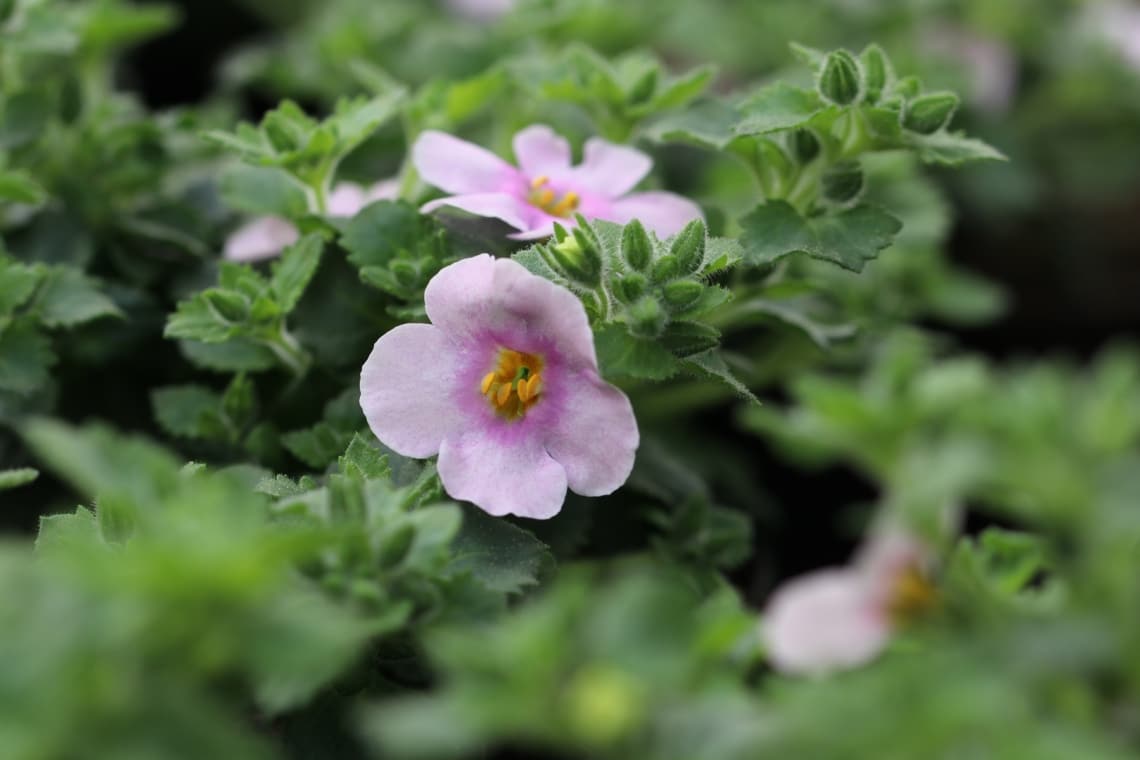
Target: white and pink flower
[(266, 236), (840, 618), (545, 188), (503, 385)]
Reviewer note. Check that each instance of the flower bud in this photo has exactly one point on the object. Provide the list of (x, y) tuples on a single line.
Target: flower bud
[(681, 294), (405, 273), (636, 248), (281, 136), (839, 80), (908, 87), (876, 71), (644, 87), (689, 247), (579, 259), (629, 287), (647, 318), (666, 268), (843, 182), (805, 145), (929, 113)]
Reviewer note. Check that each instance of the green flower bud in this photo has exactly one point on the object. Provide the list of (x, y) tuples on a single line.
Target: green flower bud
[(405, 273), (281, 135), (876, 71), (892, 103), (636, 247), (805, 145), (689, 247), (579, 259), (839, 80), (643, 88), (232, 307), (680, 294), (843, 182), (908, 87), (929, 113), (630, 287), (666, 268), (647, 318)]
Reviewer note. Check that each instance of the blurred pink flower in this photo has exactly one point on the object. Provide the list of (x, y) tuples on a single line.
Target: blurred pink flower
[(545, 188), (504, 386), (266, 236), (842, 617), (484, 11), (1118, 24), (989, 64)]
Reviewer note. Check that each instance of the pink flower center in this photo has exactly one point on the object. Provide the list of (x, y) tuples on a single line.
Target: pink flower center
[(911, 596), (541, 196), (514, 385)]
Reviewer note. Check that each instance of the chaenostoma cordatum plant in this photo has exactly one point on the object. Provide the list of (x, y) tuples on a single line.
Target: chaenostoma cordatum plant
[(435, 417)]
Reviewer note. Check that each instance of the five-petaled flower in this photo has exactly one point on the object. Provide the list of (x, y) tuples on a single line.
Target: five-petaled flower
[(842, 617), (266, 236), (503, 385), (545, 189)]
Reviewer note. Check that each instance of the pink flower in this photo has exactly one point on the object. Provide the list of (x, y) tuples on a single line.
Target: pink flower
[(842, 617), (545, 188), (483, 11), (1118, 25), (266, 236), (504, 386)]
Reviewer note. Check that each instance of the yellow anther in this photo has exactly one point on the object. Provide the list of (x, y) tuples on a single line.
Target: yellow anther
[(545, 198), (522, 391), (534, 385), (539, 181), (568, 203), (487, 381), (503, 394), (514, 383)]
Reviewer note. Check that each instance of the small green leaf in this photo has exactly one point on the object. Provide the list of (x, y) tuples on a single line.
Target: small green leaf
[(364, 461), (68, 298), (18, 186), (708, 124), (293, 271), (17, 283), (712, 364), (68, 532), (623, 355), (24, 117), (261, 190), (849, 238), (953, 149), (17, 477), (499, 554), (188, 411), (25, 357), (777, 107)]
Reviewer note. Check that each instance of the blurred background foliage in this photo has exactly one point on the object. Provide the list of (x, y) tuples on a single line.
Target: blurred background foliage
[(305, 594)]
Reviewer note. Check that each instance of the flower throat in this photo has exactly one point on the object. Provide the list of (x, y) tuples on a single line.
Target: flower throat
[(546, 199)]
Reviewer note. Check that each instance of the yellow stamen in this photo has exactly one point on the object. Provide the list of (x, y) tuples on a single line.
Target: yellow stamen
[(568, 203), (512, 387), (539, 181), (912, 595), (545, 198)]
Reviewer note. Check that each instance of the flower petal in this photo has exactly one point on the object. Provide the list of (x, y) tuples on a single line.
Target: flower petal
[(405, 389), (481, 294), (384, 190), (346, 199), (540, 150), (496, 205), (519, 478), (664, 213), (458, 166), (260, 238), (596, 437), (610, 170), (824, 621)]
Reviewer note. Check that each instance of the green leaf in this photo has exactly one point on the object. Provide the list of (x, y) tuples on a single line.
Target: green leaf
[(66, 533), (17, 283), (363, 461), (953, 149), (777, 107), (293, 271), (24, 117), (68, 298), (623, 355), (849, 238), (197, 318), (17, 186), (499, 554), (25, 357), (318, 446), (188, 411), (17, 477), (708, 124), (383, 231), (239, 354), (261, 190), (712, 364)]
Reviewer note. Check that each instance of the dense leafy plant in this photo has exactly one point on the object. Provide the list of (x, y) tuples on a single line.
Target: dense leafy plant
[(237, 556)]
